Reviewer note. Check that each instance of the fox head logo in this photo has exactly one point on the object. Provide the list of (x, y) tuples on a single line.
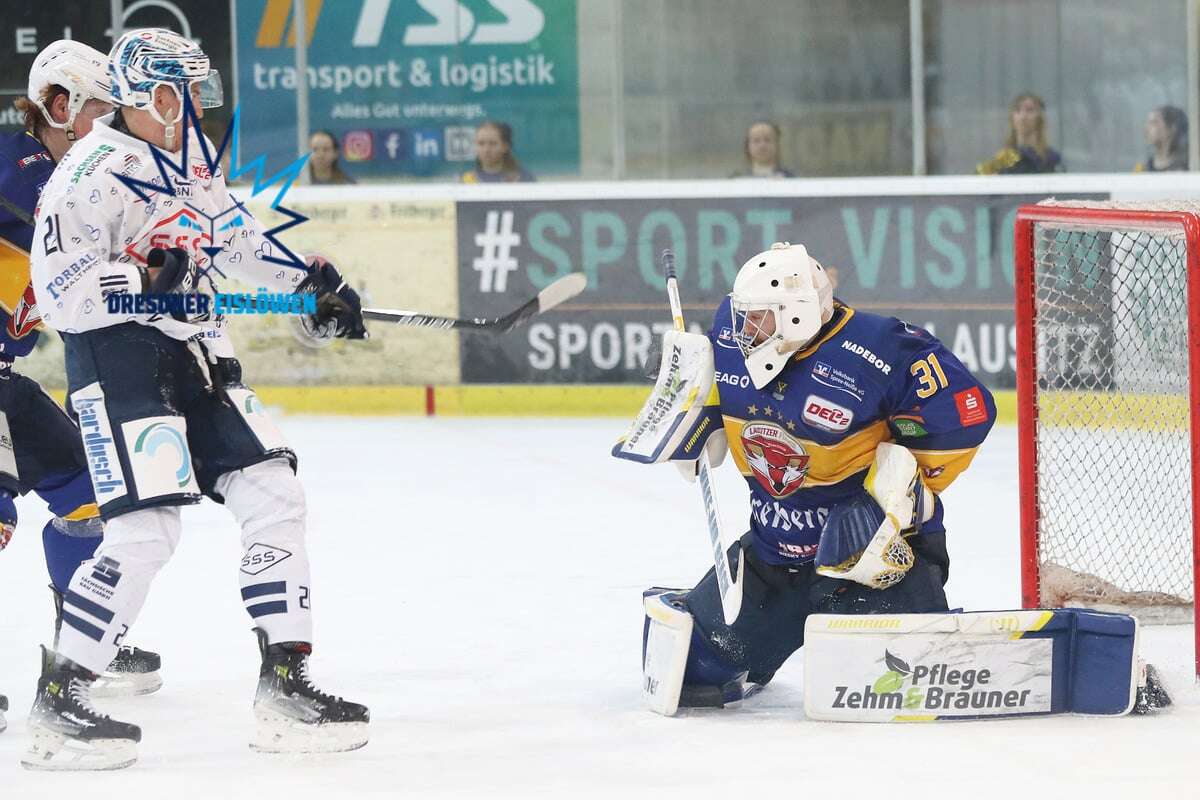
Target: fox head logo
[(778, 461)]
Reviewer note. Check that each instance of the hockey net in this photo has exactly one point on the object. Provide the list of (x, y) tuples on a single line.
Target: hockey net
[(1107, 412)]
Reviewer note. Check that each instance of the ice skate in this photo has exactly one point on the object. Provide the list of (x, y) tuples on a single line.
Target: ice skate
[(1152, 696), (67, 732), (3, 708), (296, 717), (133, 671)]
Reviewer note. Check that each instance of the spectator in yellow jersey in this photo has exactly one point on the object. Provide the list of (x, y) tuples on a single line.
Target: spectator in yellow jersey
[(1026, 150), (494, 159), (1167, 135)]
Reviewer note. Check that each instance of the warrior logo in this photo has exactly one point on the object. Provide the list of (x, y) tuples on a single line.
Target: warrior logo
[(779, 462)]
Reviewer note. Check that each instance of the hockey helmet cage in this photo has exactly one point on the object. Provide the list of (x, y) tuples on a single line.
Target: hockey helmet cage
[(145, 58), (780, 300)]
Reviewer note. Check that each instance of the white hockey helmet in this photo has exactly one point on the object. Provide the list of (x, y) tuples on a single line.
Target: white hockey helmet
[(780, 300), (81, 70), (146, 58)]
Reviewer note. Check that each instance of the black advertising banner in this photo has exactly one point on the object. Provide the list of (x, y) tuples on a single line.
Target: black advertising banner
[(30, 26), (945, 263)]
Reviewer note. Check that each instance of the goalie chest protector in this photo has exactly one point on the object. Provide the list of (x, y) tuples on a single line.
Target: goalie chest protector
[(804, 441)]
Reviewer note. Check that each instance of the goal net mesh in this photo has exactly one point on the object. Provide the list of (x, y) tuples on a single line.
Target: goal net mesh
[(1113, 433)]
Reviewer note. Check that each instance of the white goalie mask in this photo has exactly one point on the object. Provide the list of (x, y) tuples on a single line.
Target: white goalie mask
[(780, 300)]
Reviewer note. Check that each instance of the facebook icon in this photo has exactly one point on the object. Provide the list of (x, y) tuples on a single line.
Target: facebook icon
[(395, 144)]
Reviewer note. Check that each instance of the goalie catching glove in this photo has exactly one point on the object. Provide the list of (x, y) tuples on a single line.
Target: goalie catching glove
[(863, 539), (680, 419)]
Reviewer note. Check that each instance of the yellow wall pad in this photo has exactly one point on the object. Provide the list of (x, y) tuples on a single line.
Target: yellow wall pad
[(1113, 411), (577, 400), (355, 400), (508, 400)]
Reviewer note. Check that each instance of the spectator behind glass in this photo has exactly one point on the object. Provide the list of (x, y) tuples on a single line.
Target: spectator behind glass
[(1025, 151), (323, 167), (494, 159), (1167, 135), (762, 152)]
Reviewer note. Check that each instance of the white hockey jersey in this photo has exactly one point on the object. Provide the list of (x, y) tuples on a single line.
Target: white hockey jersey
[(93, 231)]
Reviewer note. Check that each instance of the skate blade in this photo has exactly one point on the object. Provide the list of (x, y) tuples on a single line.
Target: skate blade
[(126, 684), (277, 734), (3, 723), (54, 752)]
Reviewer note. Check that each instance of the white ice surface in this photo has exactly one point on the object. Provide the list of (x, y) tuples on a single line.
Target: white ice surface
[(478, 585)]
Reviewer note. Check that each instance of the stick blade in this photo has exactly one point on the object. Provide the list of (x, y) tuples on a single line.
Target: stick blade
[(561, 291)]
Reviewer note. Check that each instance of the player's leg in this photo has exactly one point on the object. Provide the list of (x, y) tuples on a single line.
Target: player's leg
[(247, 465), (125, 383), (720, 658), (51, 461)]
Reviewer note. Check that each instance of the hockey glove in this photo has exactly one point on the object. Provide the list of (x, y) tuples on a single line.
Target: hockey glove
[(177, 273), (681, 418), (8, 518), (339, 309), (863, 539)]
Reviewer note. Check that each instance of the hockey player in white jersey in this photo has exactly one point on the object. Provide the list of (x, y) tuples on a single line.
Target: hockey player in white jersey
[(68, 88), (164, 415)]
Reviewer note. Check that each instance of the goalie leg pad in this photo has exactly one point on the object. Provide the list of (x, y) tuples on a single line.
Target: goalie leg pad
[(680, 669), (925, 667)]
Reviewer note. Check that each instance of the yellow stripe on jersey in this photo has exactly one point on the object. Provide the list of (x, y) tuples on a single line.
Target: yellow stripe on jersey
[(85, 511), (939, 468), (827, 464), (14, 274), (847, 313)]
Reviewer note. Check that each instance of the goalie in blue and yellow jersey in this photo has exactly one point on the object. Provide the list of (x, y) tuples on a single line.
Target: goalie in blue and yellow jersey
[(847, 427), (40, 446)]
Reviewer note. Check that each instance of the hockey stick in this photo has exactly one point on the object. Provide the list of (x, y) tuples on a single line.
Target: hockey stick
[(729, 582), (18, 212), (556, 293)]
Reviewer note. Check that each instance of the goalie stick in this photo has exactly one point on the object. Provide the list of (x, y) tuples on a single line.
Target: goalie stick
[(556, 293), (729, 578), (18, 212)]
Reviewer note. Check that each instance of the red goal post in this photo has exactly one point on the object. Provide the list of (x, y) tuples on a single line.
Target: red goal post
[(1108, 406)]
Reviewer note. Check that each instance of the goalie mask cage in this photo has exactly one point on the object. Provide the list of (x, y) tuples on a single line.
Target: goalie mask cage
[(1108, 407)]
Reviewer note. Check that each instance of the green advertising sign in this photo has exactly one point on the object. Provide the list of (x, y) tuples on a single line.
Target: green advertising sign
[(403, 85), (943, 263)]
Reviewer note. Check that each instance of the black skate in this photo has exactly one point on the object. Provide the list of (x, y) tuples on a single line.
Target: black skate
[(134, 671), (67, 733), (296, 717), (3, 708), (1151, 694)]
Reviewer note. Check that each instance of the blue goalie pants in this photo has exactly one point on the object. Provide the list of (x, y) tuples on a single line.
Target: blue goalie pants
[(163, 425), (777, 600), (40, 451)]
